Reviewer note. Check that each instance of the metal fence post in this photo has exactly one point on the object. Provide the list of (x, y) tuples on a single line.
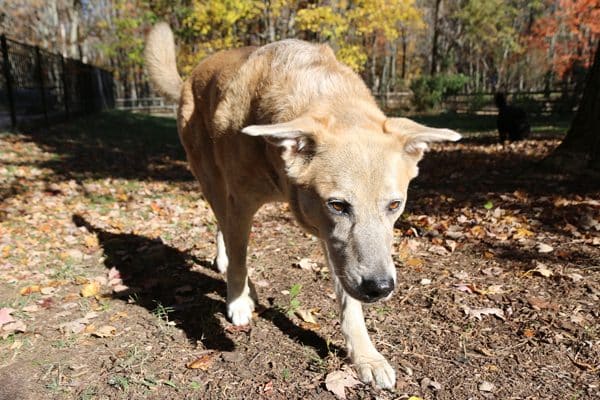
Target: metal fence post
[(41, 78), (65, 87), (8, 78)]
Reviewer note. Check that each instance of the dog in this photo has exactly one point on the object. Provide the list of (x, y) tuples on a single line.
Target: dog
[(288, 122), (512, 121)]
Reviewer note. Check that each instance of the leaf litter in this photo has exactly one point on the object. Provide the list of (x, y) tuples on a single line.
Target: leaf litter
[(516, 290)]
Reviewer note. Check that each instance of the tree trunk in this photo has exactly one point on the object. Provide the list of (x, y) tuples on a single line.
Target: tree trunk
[(404, 40), (434, 46), (580, 149)]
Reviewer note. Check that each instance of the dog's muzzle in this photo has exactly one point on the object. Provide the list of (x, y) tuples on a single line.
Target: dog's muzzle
[(374, 289)]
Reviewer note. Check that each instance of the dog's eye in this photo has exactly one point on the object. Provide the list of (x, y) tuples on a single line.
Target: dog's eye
[(339, 206), (394, 205)]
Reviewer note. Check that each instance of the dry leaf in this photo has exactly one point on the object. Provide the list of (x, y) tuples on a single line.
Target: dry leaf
[(12, 327), (105, 331), (31, 308), (540, 303), (414, 262), (523, 233), (486, 386), (5, 316), (437, 249), (337, 381), (306, 316), (306, 264), (575, 277), (478, 312), (204, 362), (528, 333), (543, 270), (241, 328), (91, 241), (90, 289), (29, 290), (430, 383), (544, 248), (47, 290)]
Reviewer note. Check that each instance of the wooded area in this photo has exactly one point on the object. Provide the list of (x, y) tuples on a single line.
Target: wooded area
[(494, 45)]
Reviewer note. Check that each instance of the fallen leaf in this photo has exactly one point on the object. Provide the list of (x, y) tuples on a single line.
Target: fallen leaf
[(118, 316), (31, 308), (430, 383), (105, 331), (241, 328), (437, 249), (306, 316), (425, 281), (541, 303), (522, 233), (543, 270), (337, 381), (414, 262), (478, 312), (451, 245), (204, 362), (47, 290), (29, 290), (528, 333), (5, 316), (486, 386), (575, 277), (465, 287), (488, 205), (90, 289), (268, 387), (306, 264), (91, 241), (12, 327), (544, 248)]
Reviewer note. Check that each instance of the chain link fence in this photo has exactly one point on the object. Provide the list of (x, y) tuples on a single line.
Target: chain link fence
[(39, 87)]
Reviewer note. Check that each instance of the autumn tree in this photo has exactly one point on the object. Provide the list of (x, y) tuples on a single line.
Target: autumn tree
[(581, 147)]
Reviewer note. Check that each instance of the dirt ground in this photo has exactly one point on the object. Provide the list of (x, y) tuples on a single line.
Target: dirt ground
[(107, 289)]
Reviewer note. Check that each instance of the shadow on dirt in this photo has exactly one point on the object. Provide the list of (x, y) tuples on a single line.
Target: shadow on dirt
[(159, 275)]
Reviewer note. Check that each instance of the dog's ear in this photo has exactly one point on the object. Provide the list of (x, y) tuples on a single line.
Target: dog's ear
[(416, 136), (295, 137)]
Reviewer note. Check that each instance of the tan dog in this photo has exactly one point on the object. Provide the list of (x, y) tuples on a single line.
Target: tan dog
[(288, 122)]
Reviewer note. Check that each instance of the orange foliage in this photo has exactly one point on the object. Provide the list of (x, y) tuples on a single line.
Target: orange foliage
[(569, 33)]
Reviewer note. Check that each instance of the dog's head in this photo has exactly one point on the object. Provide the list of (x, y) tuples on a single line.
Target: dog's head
[(349, 187)]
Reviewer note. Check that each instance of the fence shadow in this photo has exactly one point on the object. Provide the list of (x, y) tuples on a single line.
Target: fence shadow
[(115, 144), (157, 274)]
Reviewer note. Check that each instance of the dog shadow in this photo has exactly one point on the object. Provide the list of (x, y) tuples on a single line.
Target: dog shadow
[(161, 276)]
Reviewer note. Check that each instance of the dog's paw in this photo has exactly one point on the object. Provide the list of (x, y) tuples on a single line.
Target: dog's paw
[(240, 310), (376, 370)]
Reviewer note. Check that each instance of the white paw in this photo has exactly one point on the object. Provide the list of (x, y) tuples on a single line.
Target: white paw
[(240, 310), (221, 263), (376, 370)]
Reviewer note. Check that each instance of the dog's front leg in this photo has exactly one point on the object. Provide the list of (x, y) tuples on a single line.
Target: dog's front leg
[(371, 366), (240, 303)]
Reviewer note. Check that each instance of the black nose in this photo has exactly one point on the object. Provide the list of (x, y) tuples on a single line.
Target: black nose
[(377, 288)]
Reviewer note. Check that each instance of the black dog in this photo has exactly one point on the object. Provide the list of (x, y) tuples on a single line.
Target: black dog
[(512, 121)]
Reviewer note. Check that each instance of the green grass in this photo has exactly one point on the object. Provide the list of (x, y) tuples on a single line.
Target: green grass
[(474, 123)]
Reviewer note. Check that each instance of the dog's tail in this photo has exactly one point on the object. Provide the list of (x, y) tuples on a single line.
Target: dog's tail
[(160, 61)]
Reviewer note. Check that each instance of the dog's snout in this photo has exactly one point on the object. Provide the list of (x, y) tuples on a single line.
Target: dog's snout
[(377, 288)]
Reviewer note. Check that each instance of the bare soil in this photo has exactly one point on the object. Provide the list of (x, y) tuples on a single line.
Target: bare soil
[(106, 258)]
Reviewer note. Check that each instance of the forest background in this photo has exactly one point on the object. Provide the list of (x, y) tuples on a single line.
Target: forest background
[(429, 46)]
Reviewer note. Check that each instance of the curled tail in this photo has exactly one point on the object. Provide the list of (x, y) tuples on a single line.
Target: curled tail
[(160, 61)]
